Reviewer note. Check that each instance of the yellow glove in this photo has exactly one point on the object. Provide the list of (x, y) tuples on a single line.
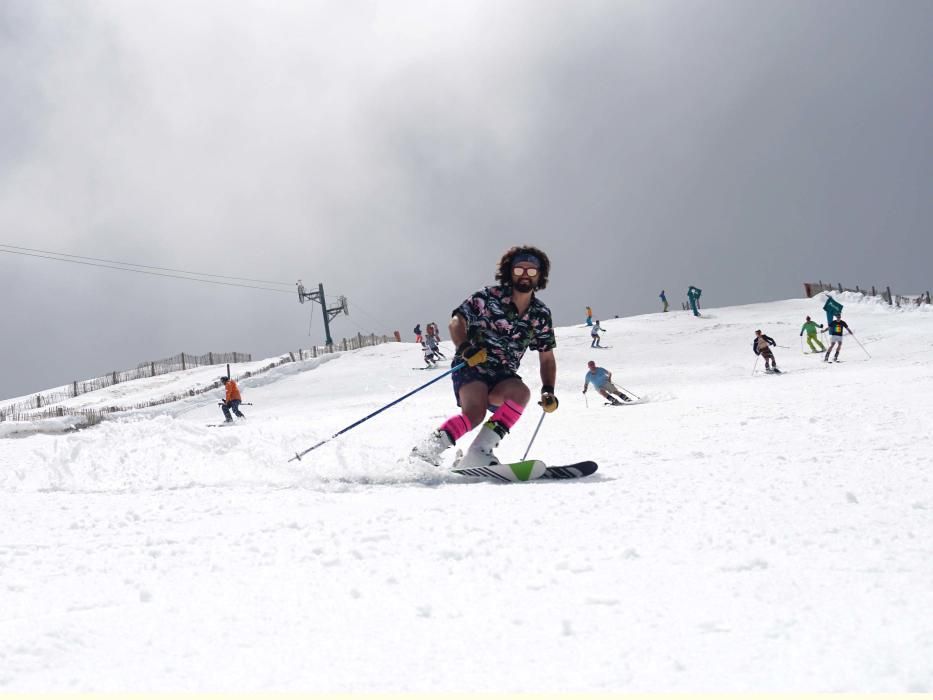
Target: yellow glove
[(472, 353)]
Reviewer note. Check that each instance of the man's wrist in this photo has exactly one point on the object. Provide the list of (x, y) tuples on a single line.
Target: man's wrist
[(547, 389)]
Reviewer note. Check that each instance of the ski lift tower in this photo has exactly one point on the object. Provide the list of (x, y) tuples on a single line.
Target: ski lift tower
[(318, 296)]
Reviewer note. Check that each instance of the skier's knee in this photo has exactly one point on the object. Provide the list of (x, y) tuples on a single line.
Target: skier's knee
[(520, 395), (475, 415)]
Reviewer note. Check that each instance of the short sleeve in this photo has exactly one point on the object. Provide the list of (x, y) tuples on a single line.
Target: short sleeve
[(472, 308)]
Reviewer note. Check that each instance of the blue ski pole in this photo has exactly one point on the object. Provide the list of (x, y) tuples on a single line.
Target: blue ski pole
[(299, 455)]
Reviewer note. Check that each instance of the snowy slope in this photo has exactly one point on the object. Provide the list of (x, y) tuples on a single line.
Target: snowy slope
[(147, 389), (744, 533)]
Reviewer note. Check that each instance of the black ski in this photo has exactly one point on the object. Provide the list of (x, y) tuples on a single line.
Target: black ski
[(571, 471), (529, 470)]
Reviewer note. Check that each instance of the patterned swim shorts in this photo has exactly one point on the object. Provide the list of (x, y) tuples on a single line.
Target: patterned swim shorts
[(474, 374)]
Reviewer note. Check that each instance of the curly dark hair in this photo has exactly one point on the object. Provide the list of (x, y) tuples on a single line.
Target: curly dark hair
[(504, 269)]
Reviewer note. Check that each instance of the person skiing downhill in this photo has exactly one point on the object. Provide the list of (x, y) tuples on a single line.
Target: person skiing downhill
[(835, 336), (601, 380), (491, 330), (663, 297), (594, 334), (432, 352), (810, 327), (760, 344), (434, 339), (232, 400), (430, 356)]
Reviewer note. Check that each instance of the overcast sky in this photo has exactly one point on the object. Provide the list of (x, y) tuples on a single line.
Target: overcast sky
[(393, 150)]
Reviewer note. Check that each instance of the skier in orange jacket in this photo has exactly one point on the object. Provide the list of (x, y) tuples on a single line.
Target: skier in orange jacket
[(231, 400)]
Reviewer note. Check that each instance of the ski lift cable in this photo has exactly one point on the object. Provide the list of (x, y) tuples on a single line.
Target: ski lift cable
[(148, 267), (147, 272)]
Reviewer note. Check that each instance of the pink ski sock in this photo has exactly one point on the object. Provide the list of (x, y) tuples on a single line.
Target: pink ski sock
[(507, 414), (457, 427)]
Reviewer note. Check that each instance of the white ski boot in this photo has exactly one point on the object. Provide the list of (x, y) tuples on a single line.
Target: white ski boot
[(480, 453), (431, 448)]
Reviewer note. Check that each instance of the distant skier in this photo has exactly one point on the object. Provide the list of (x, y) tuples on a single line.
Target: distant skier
[(594, 334), (810, 327), (760, 345), (663, 297), (431, 352), (232, 400), (835, 336), (589, 316), (434, 339), (492, 329), (693, 294), (430, 357), (601, 379), (417, 332)]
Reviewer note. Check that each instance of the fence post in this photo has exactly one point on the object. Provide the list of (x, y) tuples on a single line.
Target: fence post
[(228, 371), (890, 301), (928, 296), (38, 401), (359, 337), (344, 344), (183, 362), (114, 377), (210, 358), (873, 291), (857, 289), (74, 388), (291, 355)]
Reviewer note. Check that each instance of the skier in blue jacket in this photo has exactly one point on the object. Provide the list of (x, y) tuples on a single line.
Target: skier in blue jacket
[(601, 379)]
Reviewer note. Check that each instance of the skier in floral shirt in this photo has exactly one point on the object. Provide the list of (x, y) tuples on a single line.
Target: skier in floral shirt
[(492, 329)]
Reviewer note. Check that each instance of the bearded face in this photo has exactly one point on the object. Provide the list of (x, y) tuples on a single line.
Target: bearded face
[(523, 284), (524, 276)]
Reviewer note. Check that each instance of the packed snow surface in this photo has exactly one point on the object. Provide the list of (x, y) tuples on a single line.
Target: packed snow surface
[(744, 532)]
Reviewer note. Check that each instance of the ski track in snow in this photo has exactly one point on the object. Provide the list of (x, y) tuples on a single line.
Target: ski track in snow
[(744, 533)]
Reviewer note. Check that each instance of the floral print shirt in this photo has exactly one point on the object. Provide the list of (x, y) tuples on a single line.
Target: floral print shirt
[(493, 320)]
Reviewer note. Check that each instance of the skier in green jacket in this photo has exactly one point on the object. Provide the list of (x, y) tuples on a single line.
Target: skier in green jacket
[(810, 327)]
